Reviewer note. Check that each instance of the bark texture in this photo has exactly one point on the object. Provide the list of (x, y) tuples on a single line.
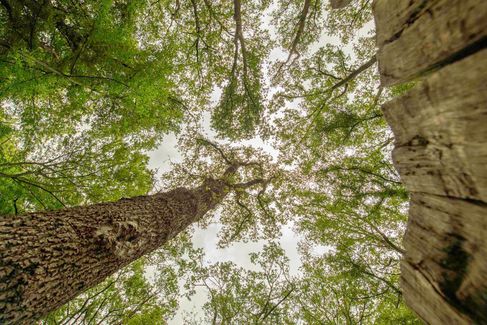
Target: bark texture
[(338, 4), (417, 36), (47, 258), (440, 131), (440, 150)]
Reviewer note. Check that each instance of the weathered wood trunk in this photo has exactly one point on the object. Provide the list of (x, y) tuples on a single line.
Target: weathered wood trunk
[(47, 258), (440, 128)]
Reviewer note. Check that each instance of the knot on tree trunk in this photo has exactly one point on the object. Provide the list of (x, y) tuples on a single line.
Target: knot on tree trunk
[(120, 238)]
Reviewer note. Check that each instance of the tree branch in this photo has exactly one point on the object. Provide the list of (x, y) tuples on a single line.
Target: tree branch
[(217, 148), (300, 30), (278, 303), (249, 183), (353, 74), (198, 29)]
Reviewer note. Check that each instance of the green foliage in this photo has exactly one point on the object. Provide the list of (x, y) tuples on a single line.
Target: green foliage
[(82, 97), (349, 297), (239, 296), (87, 88), (240, 108)]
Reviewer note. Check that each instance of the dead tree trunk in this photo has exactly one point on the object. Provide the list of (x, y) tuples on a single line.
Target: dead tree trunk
[(47, 258), (440, 150)]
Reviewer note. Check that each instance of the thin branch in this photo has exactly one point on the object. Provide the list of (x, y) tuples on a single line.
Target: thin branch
[(217, 148), (387, 240), (278, 303), (362, 170), (215, 16), (31, 193), (15, 206), (77, 312), (349, 133), (68, 76), (301, 24), (353, 74), (249, 183), (198, 30), (324, 73), (239, 36), (244, 220), (139, 305), (388, 283), (40, 187)]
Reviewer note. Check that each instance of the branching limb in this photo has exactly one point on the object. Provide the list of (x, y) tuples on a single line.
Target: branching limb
[(217, 148), (299, 31), (352, 75)]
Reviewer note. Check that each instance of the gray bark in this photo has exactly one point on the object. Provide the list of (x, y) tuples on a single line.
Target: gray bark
[(432, 34)]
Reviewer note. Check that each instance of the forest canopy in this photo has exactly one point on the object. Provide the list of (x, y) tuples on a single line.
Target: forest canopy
[(287, 88)]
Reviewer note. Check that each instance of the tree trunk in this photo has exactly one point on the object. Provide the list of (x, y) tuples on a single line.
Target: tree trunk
[(440, 150), (47, 258), (339, 4)]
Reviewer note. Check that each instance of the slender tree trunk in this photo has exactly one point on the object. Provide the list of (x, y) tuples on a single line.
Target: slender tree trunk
[(47, 258)]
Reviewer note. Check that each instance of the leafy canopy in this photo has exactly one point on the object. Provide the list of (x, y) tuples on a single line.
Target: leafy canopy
[(88, 88)]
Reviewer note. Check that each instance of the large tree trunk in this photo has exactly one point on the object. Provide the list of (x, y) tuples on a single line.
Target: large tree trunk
[(440, 150), (47, 258)]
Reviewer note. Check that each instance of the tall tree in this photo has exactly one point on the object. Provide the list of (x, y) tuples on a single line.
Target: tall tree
[(100, 82), (94, 82), (58, 254)]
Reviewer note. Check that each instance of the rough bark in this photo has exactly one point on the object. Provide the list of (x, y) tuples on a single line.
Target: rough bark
[(444, 273), (440, 150), (393, 17), (429, 35), (47, 258), (440, 131)]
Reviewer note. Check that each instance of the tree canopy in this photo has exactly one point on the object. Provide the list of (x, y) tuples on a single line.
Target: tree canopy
[(89, 88)]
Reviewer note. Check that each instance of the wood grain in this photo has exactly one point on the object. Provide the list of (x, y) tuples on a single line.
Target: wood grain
[(440, 130), (444, 31)]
